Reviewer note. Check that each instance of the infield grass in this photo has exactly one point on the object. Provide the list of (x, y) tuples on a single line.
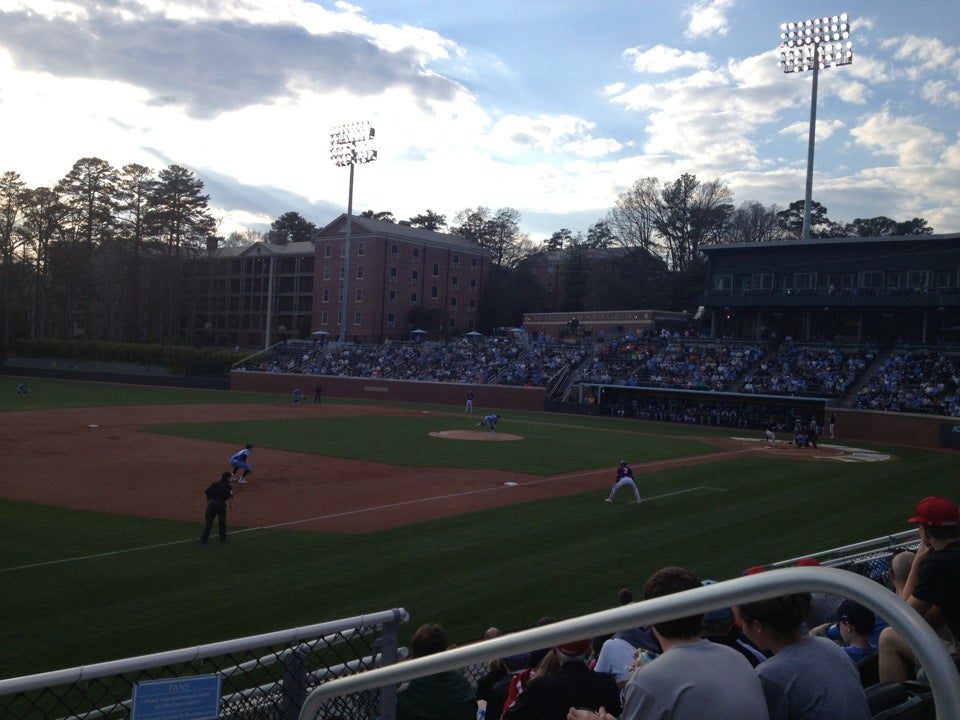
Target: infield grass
[(79, 587)]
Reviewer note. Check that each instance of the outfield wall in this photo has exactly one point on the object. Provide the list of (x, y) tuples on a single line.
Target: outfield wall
[(486, 397), (932, 431)]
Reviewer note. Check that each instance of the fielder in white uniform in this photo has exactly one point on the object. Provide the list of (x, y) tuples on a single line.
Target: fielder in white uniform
[(625, 479)]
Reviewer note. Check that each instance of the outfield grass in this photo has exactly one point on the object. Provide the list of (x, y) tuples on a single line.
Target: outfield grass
[(144, 586)]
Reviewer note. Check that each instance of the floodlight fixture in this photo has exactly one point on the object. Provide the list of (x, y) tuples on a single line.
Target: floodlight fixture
[(349, 146), (814, 44)]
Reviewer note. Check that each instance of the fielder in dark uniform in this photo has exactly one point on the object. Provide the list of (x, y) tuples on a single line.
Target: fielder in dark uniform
[(217, 494)]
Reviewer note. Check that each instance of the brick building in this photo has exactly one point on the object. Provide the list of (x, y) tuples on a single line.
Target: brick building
[(266, 292)]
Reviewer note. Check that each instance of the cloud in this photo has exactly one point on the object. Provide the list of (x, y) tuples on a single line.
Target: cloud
[(663, 59), (904, 138), (551, 135), (708, 17), (211, 66)]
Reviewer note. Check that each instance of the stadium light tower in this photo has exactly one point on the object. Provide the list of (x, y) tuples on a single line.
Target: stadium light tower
[(350, 145), (814, 45)]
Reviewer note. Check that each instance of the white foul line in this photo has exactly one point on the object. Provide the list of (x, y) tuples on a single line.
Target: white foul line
[(347, 513)]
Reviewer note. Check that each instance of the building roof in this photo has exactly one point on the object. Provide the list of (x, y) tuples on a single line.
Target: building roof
[(850, 240), (401, 231)]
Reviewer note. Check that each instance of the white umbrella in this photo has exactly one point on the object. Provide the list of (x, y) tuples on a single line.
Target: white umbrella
[(418, 331), (474, 333)]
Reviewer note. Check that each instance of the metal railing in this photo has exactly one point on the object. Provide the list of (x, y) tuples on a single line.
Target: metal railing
[(261, 676), (941, 672)]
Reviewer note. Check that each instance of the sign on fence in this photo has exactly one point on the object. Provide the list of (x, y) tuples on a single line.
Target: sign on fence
[(186, 698)]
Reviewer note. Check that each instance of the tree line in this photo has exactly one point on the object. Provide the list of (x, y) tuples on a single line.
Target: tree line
[(74, 256)]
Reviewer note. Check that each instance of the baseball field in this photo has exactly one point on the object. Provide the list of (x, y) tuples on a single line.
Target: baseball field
[(355, 507)]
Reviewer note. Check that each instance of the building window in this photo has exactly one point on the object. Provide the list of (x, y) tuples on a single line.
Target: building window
[(919, 280), (436, 270), (393, 274), (456, 261), (414, 276), (360, 249), (327, 250), (358, 294), (453, 303), (326, 272), (324, 318), (433, 292), (359, 272), (473, 306), (343, 249), (473, 263), (391, 320), (392, 297), (872, 279), (413, 298), (341, 273), (722, 283), (473, 284), (761, 281), (454, 282), (394, 252), (326, 294), (803, 282), (416, 253), (358, 317)]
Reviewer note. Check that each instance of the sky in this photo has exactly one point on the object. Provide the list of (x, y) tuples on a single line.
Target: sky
[(550, 107)]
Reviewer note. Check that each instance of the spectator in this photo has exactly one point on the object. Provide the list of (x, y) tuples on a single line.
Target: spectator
[(807, 678), (932, 587), (548, 697), (855, 624), (823, 606), (719, 627), (693, 678), (496, 695), (442, 696)]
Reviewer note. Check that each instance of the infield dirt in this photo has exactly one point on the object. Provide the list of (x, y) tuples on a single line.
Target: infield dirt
[(100, 459)]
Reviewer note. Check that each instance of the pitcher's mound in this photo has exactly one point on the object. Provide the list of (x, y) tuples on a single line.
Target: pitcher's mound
[(481, 435)]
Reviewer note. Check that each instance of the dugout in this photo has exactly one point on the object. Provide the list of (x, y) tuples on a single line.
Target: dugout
[(700, 407)]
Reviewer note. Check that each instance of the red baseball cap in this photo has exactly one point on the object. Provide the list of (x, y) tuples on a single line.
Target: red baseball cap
[(574, 650), (937, 512)]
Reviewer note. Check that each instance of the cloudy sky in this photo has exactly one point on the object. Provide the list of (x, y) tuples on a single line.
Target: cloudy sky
[(552, 107)]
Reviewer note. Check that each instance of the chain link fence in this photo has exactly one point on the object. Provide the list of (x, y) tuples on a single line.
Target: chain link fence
[(263, 677)]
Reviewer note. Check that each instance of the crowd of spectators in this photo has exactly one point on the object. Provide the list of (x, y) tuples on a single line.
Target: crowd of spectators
[(805, 370), (920, 381), (909, 380), (671, 362), (803, 655)]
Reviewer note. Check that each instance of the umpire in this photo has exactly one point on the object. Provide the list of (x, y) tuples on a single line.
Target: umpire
[(217, 495)]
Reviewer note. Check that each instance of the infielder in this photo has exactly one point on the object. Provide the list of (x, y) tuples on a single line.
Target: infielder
[(625, 479), (238, 461), (489, 421)]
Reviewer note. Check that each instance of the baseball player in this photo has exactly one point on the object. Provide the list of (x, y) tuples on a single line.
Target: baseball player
[(489, 421), (625, 479), (771, 436), (238, 461)]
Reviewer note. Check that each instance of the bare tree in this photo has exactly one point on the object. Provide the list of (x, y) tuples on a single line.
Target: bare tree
[(753, 222), (633, 219)]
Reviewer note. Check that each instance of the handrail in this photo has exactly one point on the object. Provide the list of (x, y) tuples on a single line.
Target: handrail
[(939, 667), (189, 654), (892, 541)]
